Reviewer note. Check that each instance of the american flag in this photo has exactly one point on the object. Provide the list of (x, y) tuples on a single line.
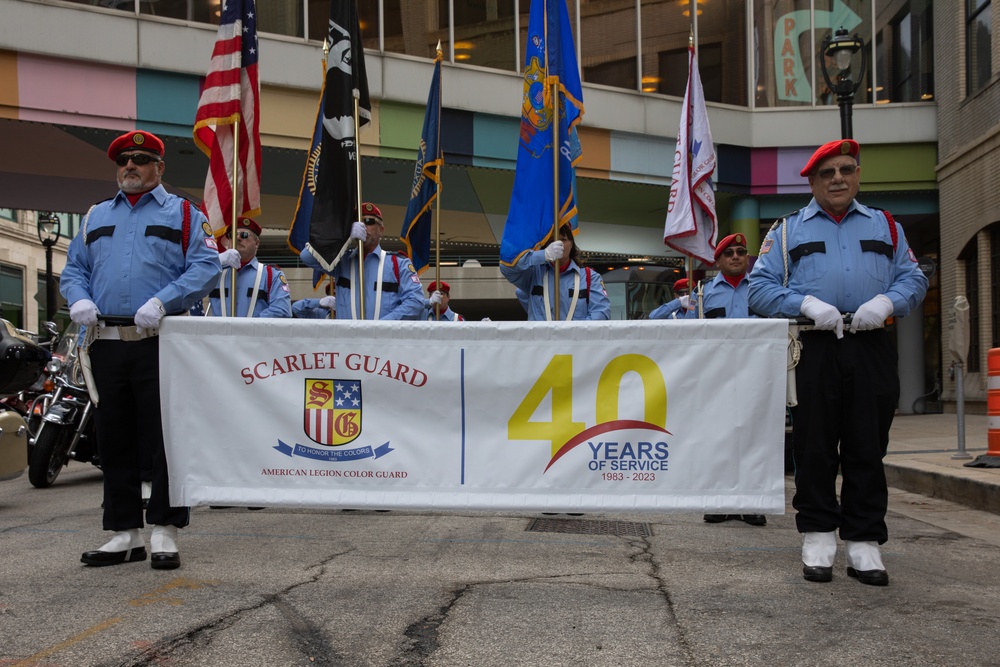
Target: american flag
[(231, 95)]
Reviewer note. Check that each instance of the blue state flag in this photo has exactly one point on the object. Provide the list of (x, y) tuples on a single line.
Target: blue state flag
[(532, 209), (416, 232)]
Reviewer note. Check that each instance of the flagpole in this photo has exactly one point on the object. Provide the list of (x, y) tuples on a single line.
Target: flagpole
[(437, 203), (232, 226), (326, 54), (361, 245), (557, 315)]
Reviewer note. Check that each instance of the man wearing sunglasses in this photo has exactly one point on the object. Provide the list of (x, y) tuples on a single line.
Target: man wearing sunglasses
[(392, 287), (139, 256), (261, 289), (726, 296), (833, 259)]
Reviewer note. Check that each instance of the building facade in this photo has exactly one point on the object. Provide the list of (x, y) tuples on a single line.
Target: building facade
[(74, 74)]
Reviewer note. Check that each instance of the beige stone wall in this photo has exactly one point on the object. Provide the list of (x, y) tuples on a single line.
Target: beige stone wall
[(968, 164)]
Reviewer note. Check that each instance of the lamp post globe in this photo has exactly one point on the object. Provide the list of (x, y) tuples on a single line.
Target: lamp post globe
[(840, 49)]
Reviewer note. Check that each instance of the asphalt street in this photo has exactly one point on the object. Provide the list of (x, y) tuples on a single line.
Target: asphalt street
[(327, 587)]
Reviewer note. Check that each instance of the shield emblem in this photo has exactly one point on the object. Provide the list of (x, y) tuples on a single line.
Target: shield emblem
[(332, 411)]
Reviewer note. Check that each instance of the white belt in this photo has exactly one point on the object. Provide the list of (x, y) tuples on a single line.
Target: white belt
[(125, 333)]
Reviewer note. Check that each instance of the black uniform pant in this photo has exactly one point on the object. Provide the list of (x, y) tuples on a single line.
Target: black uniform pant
[(847, 391), (127, 375)]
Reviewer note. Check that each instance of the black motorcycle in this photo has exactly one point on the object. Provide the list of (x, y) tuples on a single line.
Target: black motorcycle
[(66, 431)]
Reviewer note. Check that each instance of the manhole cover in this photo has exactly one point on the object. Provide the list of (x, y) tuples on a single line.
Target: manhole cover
[(590, 527)]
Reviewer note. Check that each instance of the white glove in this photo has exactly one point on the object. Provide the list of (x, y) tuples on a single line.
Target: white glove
[(149, 315), (823, 315), (436, 298), (328, 302), (230, 258), (358, 231), (871, 314), (84, 312), (686, 302), (554, 251)]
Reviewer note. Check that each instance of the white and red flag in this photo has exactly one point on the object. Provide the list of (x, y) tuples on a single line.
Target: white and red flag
[(230, 104), (691, 223)]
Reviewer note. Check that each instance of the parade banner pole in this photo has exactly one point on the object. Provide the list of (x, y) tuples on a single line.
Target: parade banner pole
[(361, 245), (232, 226)]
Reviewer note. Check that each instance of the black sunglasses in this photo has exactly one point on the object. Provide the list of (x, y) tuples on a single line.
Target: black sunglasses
[(138, 159), (729, 252), (243, 234), (845, 170)]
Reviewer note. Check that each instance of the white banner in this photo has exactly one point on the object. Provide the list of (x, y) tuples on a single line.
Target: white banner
[(679, 416)]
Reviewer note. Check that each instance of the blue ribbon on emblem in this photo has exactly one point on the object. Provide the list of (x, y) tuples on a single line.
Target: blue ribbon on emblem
[(334, 455)]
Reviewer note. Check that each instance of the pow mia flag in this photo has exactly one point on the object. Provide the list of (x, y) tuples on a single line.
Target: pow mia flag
[(336, 180)]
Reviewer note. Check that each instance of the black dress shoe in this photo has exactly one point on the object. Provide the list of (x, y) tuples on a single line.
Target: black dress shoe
[(754, 519), (220, 507), (165, 560), (717, 518), (102, 558), (817, 573), (870, 577), (254, 509)]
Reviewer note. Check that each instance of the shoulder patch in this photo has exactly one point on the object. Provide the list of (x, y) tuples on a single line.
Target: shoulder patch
[(210, 242), (913, 258), (207, 228), (409, 265), (281, 277), (766, 246)]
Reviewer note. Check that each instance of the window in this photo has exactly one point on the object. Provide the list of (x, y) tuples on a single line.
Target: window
[(904, 54), (978, 45), (8, 214), (12, 295)]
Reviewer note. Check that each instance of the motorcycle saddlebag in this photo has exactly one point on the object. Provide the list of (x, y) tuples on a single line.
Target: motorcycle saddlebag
[(22, 360)]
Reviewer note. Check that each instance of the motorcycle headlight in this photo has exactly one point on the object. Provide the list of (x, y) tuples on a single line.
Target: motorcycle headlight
[(54, 367)]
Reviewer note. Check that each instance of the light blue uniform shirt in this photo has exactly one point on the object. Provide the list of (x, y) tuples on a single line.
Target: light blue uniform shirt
[(447, 314), (532, 271), (723, 300), (135, 254), (843, 264), (402, 298), (273, 299), (668, 311), (309, 309)]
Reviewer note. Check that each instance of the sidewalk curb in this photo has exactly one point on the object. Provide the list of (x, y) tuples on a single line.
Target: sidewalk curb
[(929, 480)]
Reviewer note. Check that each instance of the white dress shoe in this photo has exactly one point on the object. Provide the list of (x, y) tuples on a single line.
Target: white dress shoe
[(818, 552), (163, 545), (125, 546), (864, 563)]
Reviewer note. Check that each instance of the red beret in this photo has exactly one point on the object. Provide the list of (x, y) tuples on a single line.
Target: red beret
[(681, 284), (445, 287), (369, 210), (244, 223), (732, 239), (136, 140), (830, 149)]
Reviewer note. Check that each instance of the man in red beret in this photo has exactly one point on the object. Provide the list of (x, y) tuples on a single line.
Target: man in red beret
[(140, 256), (261, 289), (677, 307), (436, 306), (833, 259), (391, 285)]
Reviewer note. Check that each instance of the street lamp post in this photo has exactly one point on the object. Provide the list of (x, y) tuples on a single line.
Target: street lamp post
[(49, 227), (840, 48)]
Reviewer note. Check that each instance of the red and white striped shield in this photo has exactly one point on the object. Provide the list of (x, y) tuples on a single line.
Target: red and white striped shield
[(332, 411)]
